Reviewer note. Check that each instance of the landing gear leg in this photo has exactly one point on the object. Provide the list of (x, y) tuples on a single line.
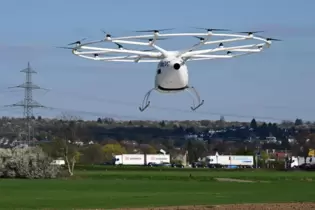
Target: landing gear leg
[(195, 95), (146, 102)]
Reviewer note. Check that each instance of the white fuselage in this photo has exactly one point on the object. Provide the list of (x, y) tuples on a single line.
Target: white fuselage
[(171, 75)]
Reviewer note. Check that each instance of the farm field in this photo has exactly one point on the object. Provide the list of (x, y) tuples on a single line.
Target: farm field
[(197, 174), (134, 189)]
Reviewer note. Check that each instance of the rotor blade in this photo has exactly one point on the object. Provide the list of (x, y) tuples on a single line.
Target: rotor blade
[(70, 48), (212, 29), (105, 54), (198, 37), (77, 42), (272, 39), (151, 39), (269, 38), (156, 30), (106, 34), (250, 32)]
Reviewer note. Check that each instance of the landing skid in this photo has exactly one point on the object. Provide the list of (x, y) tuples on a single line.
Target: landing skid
[(191, 90), (195, 95), (146, 102)]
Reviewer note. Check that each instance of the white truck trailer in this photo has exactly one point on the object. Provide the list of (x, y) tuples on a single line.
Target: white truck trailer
[(158, 158), (130, 159), (231, 160), (141, 159)]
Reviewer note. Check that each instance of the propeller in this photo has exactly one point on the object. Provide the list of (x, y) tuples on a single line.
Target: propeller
[(104, 54), (200, 38), (70, 48), (151, 39), (106, 34), (155, 30), (250, 32), (273, 39), (77, 42), (212, 29), (269, 38)]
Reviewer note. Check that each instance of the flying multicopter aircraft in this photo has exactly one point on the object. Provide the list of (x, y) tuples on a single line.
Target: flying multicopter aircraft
[(172, 71)]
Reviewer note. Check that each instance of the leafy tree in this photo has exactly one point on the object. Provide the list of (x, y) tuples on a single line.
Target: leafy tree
[(93, 154), (298, 122), (71, 155), (264, 155), (162, 123), (108, 120), (69, 152), (244, 151), (263, 131), (195, 150), (287, 124), (253, 124), (311, 141), (191, 154), (200, 149), (168, 143), (99, 120), (205, 123), (221, 122), (110, 150), (149, 150), (302, 137)]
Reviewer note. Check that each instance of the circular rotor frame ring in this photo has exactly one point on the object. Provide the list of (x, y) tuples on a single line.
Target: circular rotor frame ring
[(87, 51)]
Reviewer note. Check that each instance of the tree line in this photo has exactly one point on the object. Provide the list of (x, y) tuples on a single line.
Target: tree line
[(170, 134), (108, 135), (146, 131)]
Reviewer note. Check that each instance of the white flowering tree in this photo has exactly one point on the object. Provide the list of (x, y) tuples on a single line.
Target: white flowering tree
[(29, 162)]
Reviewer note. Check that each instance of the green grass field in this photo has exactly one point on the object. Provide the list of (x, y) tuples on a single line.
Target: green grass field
[(114, 189)]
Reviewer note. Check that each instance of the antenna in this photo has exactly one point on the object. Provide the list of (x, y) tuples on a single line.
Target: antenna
[(28, 103)]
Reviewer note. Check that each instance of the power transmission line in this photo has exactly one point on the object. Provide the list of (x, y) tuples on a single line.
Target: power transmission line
[(172, 109), (168, 109), (28, 103)]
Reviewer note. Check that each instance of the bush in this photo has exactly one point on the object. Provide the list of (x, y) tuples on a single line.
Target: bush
[(176, 162), (279, 165), (30, 163)]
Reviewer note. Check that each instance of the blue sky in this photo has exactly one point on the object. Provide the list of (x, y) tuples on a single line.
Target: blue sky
[(277, 83)]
